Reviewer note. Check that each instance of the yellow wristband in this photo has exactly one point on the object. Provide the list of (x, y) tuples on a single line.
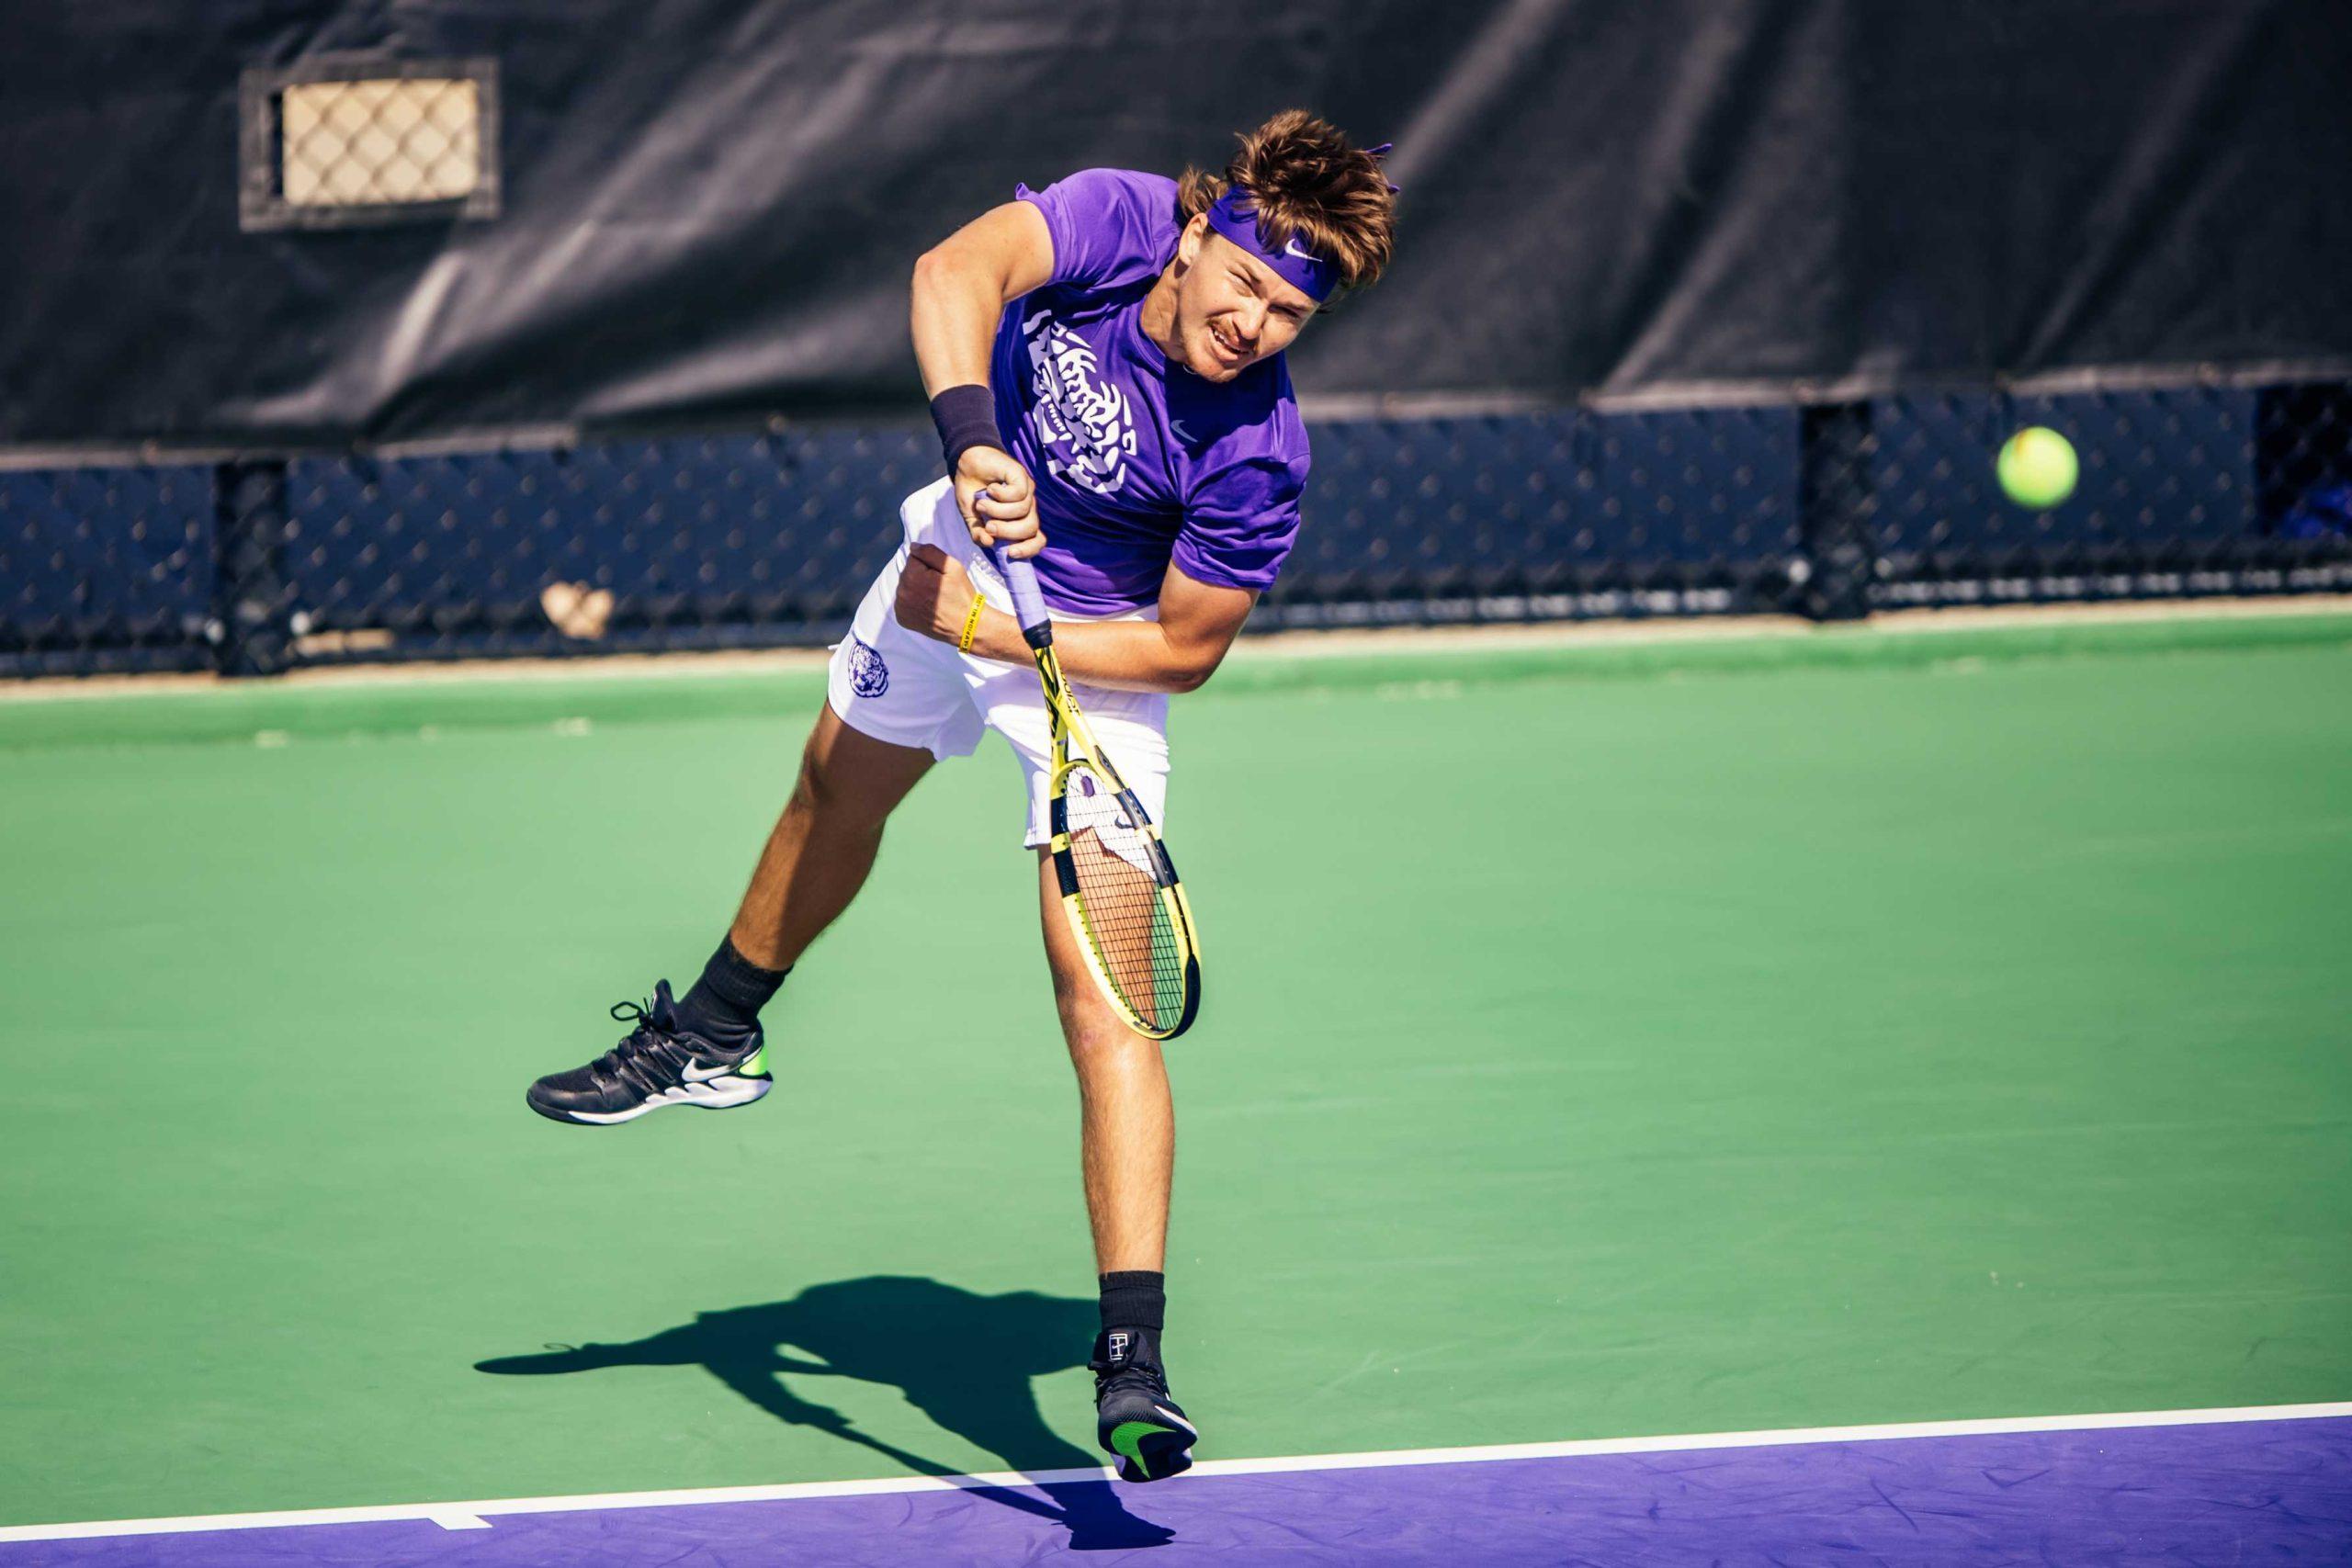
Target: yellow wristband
[(971, 624)]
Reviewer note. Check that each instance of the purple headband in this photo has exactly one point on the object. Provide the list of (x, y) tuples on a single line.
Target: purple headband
[(1232, 215)]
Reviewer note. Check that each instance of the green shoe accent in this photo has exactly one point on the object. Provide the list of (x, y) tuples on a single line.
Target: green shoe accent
[(756, 1064), (1127, 1437)]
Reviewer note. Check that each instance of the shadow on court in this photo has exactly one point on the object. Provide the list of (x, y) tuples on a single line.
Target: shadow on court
[(965, 1360)]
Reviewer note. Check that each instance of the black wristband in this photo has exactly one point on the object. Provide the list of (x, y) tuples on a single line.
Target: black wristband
[(967, 418)]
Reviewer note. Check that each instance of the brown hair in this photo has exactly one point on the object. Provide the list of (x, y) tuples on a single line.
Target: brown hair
[(1306, 179)]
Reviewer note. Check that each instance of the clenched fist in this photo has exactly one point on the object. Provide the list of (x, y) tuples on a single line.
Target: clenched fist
[(934, 595), (999, 501)]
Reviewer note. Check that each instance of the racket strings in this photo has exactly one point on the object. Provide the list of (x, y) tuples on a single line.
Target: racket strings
[(1135, 937)]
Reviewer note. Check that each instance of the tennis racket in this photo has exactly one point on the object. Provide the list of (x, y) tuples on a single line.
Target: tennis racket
[(1119, 888)]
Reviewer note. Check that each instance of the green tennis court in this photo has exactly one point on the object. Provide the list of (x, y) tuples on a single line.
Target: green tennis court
[(1599, 1041)]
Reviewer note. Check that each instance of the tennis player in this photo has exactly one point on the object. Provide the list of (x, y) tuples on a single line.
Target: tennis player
[(1104, 363)]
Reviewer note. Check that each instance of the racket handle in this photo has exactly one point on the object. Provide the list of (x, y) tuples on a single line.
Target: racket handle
[(1028, 600)]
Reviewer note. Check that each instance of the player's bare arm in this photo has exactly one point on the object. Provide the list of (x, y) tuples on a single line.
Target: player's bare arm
[(961, 287), (1178, 652)]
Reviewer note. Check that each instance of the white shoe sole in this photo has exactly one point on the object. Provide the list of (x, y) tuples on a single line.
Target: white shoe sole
[(714, 1094)]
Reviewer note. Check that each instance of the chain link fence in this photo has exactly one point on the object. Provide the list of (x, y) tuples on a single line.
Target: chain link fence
[(768, 539), (345, 140)]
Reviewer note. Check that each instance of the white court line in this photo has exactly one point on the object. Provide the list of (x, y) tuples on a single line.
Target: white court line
[(479, 1516), (457, 1520)]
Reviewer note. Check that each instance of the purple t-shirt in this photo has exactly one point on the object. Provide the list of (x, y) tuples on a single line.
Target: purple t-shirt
[(1138, 463)]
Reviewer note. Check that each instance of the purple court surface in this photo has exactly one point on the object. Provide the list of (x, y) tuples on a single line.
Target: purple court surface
[(2235, 1493)]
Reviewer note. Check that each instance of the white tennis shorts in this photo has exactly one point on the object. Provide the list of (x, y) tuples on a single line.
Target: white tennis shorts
[(901, 687)]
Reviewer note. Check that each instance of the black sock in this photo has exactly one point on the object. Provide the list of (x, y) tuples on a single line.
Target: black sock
[(1135, 1298), (724, 1005)]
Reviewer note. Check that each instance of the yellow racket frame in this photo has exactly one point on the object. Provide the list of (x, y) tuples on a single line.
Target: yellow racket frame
[(1075, 747)]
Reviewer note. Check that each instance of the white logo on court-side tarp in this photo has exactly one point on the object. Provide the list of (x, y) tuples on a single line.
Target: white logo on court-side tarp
[(1083, 421)]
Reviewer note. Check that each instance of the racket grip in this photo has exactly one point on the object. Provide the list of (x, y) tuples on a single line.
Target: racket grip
[(1028, 600)]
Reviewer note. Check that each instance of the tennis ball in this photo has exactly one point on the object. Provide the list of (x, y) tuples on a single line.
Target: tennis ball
[(2038, 468)]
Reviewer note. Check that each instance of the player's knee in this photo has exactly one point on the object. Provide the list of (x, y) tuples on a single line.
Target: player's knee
[(811, 790), (1097, 1040), (822, 793), (829, 786)]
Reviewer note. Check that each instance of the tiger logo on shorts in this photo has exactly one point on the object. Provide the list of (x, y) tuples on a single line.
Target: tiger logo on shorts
[(868, 676)]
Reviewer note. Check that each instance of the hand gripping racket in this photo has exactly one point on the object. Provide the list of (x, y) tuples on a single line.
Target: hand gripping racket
[(1118, 887)]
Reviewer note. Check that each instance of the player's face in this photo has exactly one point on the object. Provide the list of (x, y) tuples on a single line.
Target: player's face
[(1232, 310)]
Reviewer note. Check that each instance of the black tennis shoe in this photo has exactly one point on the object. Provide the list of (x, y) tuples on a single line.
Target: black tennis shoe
[(1133, 1418), (658, 1064)]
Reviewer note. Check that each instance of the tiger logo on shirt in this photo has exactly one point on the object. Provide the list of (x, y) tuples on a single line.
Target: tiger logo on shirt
[(1084, 422)]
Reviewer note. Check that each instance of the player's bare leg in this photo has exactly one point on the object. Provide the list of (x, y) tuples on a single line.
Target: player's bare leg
[(823, 845), (1126, 1117), (705, 1049), (1127, 1149)]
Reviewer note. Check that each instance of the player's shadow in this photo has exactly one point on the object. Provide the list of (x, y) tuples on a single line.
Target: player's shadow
[(965, 1360)]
